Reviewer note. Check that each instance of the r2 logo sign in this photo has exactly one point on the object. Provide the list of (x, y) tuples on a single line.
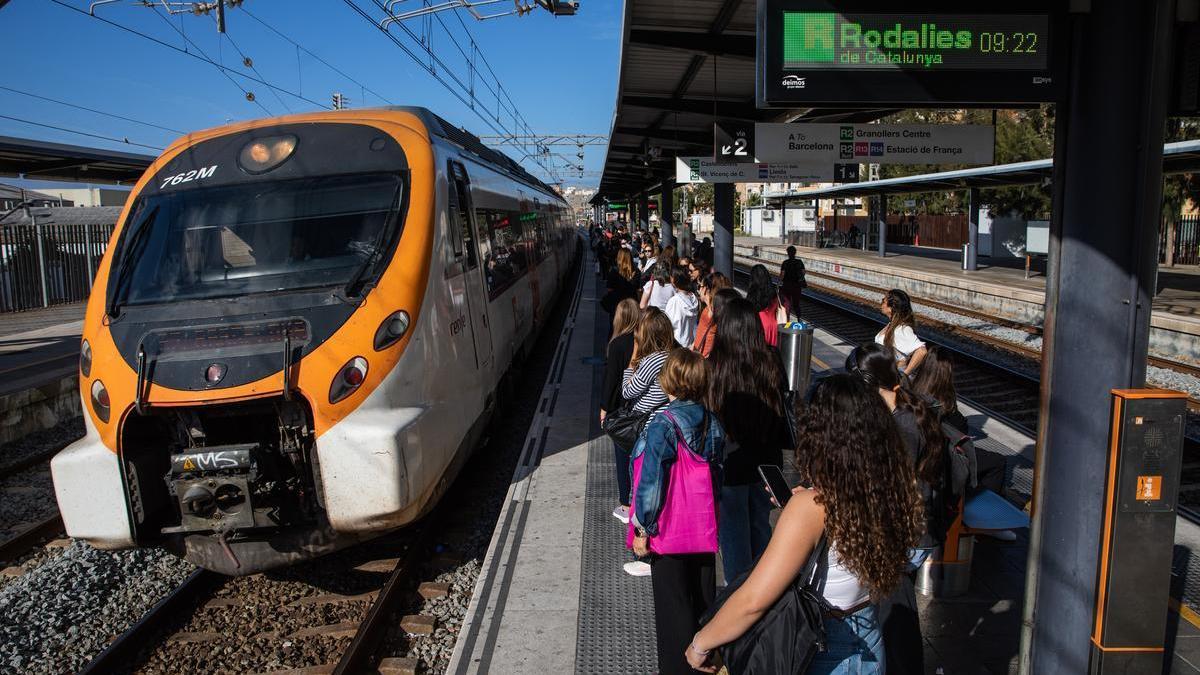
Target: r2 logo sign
[(189, 176)]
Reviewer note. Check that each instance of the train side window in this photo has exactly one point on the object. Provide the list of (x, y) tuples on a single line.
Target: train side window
[(505, 253), (464, 238)]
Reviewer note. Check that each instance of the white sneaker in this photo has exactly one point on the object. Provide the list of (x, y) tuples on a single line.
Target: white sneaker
[(637, 568), (1001, 535), (621, 513)]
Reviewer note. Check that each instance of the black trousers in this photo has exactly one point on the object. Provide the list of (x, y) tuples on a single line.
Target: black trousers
[(901, 622), (684, 586)]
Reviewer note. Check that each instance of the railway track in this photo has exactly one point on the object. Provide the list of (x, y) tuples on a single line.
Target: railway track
[(364, 610)]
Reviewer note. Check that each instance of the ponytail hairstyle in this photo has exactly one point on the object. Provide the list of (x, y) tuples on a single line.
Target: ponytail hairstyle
[(876, 365), (902, 314), (935, 379)]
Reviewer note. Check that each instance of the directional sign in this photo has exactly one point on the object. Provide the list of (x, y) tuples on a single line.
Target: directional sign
[(705, 170), (733, 142), (930, 53), (875, 143), (845, 173)]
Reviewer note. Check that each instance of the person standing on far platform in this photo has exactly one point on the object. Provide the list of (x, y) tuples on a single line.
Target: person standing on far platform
[(678, 465), (746, 391), (900, 334), (792, 283)]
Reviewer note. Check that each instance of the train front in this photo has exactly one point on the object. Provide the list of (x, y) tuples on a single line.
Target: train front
[(260, 286)]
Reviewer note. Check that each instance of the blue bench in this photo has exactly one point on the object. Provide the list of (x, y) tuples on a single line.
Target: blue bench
[(987, 510), (947, 573)]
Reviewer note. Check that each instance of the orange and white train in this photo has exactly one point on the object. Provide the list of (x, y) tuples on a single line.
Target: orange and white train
[(299, 331)]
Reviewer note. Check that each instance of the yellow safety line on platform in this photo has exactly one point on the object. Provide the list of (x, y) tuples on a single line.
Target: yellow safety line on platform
[(819, 362), (1185, 612)]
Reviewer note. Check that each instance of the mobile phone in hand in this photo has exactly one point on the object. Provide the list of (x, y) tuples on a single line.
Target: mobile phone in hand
[(775, 483)]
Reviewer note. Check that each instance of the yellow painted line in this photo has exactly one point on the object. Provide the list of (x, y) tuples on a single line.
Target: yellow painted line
[(1185, 612), (822, 364)]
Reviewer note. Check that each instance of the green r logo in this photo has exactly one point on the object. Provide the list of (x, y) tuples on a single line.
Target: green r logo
[(808, 37)]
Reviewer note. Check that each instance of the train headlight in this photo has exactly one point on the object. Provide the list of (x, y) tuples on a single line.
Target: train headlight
[(391, 330), (100, 403), (348, 379), (85, 359), (263, 154)]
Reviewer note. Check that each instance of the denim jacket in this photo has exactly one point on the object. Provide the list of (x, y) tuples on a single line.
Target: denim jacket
[(657, 443)]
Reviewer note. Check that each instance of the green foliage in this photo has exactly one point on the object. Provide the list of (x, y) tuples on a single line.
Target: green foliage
[(1179, 189), (1021, 135)]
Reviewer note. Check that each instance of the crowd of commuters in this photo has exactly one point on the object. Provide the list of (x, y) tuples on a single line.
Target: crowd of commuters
[(696, 400)]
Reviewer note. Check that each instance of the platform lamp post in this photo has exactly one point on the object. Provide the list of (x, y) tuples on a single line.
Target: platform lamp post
[(1099, 286), (643, 204)]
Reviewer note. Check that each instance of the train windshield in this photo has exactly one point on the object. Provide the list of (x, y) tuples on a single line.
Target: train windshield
[(256, 238)]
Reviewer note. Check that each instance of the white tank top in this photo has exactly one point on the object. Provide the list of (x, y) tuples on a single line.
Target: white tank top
[(838, 586)]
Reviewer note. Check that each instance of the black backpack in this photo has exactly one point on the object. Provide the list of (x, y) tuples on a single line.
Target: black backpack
[(959, 476), (785, 639)]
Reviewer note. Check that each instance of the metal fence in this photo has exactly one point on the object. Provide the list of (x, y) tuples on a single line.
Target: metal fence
[(44, 265), (1186, 251)]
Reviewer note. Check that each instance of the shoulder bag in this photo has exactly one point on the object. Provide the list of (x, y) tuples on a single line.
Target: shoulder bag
[(785, 639), (626, 424)]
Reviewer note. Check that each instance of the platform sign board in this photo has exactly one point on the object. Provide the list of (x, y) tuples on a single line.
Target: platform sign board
[(931, 54), (705, 170), (875, 143), (733, 142)]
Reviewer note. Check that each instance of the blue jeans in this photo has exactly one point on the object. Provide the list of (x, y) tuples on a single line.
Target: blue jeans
[(744, 528), (853, 646), (622, 458)]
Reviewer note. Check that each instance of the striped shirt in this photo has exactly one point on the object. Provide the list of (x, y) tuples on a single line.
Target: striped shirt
[(641, 385)]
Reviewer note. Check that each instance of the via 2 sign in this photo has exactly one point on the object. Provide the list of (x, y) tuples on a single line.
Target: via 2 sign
[(733, 142)]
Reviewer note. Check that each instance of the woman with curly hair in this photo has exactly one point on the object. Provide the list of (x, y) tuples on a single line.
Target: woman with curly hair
[(864, 500)]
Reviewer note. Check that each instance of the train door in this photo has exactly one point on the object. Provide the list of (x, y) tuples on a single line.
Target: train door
[(462, 214)]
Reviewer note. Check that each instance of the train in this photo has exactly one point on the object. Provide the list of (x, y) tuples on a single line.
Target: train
[(299, 331)]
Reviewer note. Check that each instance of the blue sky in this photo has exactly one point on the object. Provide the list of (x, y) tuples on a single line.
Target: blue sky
[(560, 72)]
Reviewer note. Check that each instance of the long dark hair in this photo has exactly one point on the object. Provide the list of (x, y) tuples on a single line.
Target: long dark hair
[(746, 381), (935, 379), (876, 365), (762, 288), (902, 314), (851, 452), (661, 272)]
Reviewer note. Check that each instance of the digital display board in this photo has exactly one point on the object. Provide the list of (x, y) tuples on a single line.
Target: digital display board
[(925, 41), (864, 52)]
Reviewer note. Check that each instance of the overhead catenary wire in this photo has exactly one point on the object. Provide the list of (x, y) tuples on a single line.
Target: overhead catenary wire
[(435, 66), (91, 110), (196, 56), (313, 54), (124, 141), (220, 66)]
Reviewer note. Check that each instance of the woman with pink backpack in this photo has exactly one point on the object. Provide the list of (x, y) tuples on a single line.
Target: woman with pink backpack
[(676, 480)]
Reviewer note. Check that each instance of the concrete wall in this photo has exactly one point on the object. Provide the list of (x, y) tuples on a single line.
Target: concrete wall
[(32, 410)]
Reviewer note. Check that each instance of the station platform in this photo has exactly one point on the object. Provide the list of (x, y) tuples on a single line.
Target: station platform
[(39, 362), (998, 287), (552, 596)]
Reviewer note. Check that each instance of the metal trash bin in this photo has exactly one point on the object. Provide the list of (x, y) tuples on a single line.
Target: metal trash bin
[(942, 578), (795, 347)]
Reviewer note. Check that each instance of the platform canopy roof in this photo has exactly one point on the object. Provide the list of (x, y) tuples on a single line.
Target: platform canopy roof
[(1178, 157), (685, 63), (41, 160)]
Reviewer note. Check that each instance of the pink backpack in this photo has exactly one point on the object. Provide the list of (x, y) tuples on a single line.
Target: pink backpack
[(688, 520)]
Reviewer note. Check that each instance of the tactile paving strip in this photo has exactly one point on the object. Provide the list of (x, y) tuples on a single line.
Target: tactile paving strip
[(616, 611)]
